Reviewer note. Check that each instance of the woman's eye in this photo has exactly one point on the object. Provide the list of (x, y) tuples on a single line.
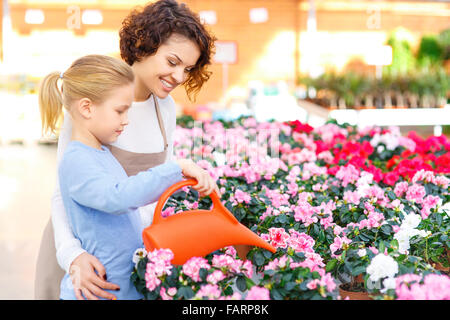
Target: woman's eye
[(188, 70), (172, 63)]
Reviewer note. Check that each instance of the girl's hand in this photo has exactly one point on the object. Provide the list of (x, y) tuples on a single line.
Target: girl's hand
[(206, 185), (87, 282)]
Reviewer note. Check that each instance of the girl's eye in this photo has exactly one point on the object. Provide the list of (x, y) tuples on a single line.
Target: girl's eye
[(172, 63), (188, 70), (120, 112)]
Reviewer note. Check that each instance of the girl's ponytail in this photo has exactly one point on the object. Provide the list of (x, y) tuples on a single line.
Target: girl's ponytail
[(50, 102)]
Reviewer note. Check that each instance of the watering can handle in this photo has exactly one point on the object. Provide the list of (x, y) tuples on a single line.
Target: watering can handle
[(157, 217)]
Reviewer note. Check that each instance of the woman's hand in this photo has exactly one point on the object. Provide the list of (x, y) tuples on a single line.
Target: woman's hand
[(87, 282), (205, 184)]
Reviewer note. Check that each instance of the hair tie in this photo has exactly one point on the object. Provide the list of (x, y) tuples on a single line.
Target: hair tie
[(61, 75)]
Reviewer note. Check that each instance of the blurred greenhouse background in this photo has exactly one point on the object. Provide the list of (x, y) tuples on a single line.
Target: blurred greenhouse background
[(365, 62)]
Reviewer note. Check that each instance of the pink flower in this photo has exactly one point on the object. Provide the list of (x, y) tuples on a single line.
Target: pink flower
[(437, 287), (442, 181), (210, 291), (258, 293), (215, 277), (328, 281), (151, 279), (304, 212), (168, 212), (226, 261), (231, 251), (242, 196), (313, 261), (430, 202), (352, 197), (301, 242), (164, 295), (278, 237), (400, 188), (326, 156), (415, 193), (374, 250), (434, 287), (338, 244), (192, 267), (422, 175), (247, 268), (348, 174)]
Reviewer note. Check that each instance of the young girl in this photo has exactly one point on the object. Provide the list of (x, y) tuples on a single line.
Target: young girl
[(100, 199), (166, 46)]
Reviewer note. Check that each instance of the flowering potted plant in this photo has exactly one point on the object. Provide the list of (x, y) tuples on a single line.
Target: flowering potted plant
[(426, 286), (211, 277)]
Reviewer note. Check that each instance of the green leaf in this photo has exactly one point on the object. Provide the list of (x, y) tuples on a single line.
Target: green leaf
[(358, 270), (258, 259), (186, 292), (276, 294), (331, 265), (241, 283), (386, 229), (290, 285), (391, 195), (381, 247), (203, 273)]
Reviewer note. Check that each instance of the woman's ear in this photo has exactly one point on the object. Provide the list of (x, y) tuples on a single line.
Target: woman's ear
[(85, 108)]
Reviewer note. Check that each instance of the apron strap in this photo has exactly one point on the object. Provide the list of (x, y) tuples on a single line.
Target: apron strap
[(161, 122)]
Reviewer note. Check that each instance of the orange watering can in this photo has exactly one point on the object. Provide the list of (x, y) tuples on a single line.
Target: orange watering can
[(198, 232)]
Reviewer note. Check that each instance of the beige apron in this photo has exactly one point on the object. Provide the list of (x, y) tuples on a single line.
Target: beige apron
[(48, 272)]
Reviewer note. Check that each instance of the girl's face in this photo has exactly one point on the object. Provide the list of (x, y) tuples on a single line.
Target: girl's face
[(167, 68), (109, 118)]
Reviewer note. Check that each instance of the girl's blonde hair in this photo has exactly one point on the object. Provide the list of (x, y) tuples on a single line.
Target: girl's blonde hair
[(92, 77)]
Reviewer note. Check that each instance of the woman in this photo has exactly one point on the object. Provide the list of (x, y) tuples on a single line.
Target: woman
[(166, 45)]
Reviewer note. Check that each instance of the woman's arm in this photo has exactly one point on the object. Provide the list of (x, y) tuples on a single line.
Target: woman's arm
[(67, 246)]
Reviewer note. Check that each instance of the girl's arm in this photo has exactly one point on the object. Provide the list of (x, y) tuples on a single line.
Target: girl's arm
[(67, 246), (69, 252), (93, 186)]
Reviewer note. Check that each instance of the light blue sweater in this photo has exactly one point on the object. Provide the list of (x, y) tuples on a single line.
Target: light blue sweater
[(101, 202)]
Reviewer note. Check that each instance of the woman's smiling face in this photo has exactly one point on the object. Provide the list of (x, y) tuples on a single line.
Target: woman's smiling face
[(167, 68)]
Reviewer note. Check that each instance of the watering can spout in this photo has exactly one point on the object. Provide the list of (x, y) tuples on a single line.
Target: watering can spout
[(197, 232)]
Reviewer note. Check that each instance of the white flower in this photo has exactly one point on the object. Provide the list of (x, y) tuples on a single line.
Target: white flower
[(445, 208), (402, 236), (138, 255), (382, 266), (219, 158), (388, 283), (411, 221), (408, 230), (362, 252), (285, 209)]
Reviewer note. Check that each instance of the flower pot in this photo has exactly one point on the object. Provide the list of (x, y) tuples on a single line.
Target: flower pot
[(359, 279), (242, 250), (353, 295), (439, 266)]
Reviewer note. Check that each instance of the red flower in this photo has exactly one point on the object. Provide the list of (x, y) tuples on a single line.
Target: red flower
[(392, 162), (391, 178), (299, 127)]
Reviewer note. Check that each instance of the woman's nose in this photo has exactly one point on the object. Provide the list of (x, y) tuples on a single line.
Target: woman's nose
[(179, 75)]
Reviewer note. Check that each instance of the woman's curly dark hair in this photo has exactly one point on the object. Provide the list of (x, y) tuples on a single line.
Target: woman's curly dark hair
[(145, 29)]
